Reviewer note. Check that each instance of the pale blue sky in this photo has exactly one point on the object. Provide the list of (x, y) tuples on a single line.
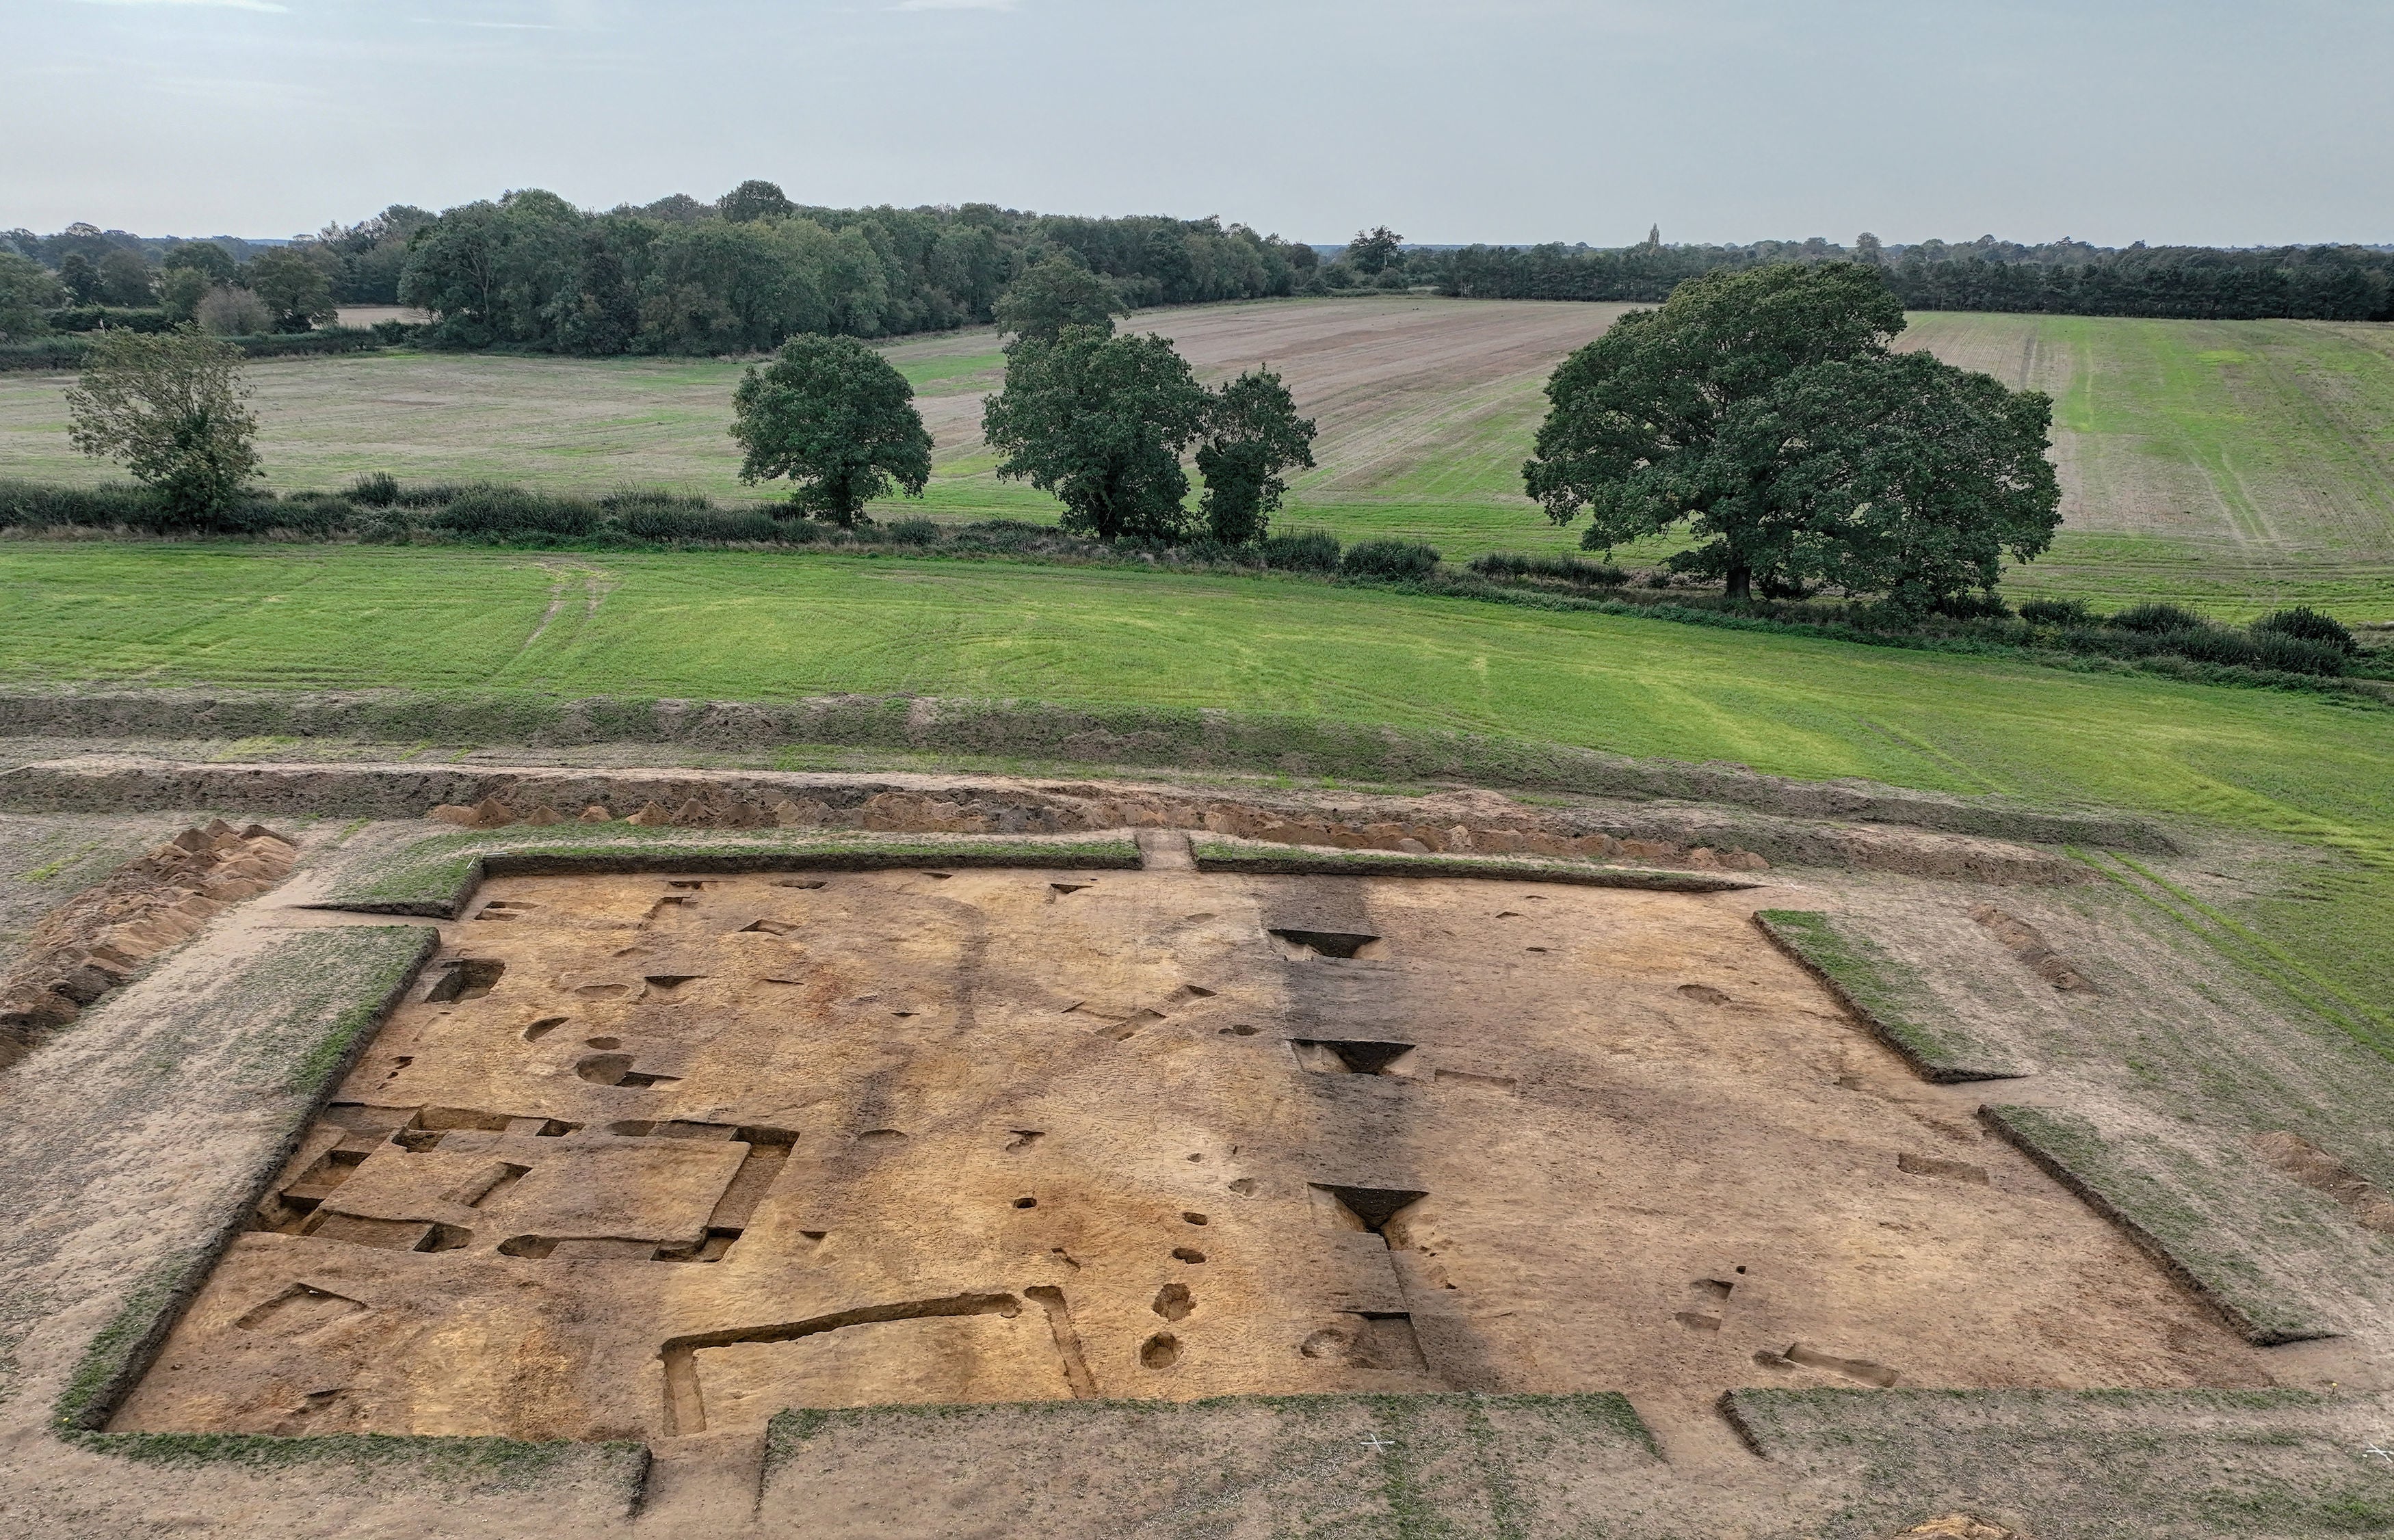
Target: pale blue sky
[(1502, 120)]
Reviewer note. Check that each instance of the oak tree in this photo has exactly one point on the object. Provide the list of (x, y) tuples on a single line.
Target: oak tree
[(1101, 422), (1253, 435), (839, 420), (1632, 434)]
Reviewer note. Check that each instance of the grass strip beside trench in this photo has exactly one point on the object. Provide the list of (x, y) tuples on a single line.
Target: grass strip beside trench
[(1886, 996), (308, 1005), (2194, 1465), (2075, 1153), (1218, 853), (435, 876)]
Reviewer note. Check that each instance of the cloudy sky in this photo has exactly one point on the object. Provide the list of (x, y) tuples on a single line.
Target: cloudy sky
[(1453, 120)]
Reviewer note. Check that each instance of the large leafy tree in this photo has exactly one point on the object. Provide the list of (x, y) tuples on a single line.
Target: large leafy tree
[(124, 278), (494, 272), (295, 289), (755, 199), (1375, 250), (1898, 474), (204, 258), (1056, 293), (167, 406), (80, 275), (1252, 436), (600, 314), (839, 420), (25, 292), (1101, 422), (1632, 437)]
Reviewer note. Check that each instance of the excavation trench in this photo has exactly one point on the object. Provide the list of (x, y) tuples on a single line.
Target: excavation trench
[(664, 1154)]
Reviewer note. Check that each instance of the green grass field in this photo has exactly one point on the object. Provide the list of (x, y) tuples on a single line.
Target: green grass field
[(2319, 772), (2239, 466)]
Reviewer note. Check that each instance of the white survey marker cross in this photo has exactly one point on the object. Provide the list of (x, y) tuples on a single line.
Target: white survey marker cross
[(2373, 1452), (1376, 1444)]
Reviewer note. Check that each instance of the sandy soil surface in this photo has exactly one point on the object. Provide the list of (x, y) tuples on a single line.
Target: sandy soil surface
[(660, 1155), (1654, 1138)]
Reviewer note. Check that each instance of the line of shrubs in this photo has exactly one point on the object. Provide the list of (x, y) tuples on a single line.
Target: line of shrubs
[(66, 351), (378, 508), (2299, 640)]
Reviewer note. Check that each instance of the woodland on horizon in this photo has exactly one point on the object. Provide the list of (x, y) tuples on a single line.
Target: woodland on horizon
[(740, 274)]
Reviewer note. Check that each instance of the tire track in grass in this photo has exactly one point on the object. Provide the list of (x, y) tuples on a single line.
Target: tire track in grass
[(2370, 1025)]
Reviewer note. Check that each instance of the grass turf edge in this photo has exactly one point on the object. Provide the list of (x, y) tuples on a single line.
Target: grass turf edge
[(371, 968), (434, 876), (2276, 1463), (2074, 1152), (1441, 1463), (1220, 853), (356, 975), (1880, 993)]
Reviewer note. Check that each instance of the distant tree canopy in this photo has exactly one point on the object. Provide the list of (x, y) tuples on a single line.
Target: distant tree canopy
[(741, 275), (124, 278), (2062, 278), (755, 199), (168, 408), (1765, 410), (1054, 294), (79, 275), (293, 288), (839, 420), (25, 292), (205, 257), (1374, 251)]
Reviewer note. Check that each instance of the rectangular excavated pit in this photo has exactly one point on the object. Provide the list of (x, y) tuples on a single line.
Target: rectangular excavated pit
[(668, 1154)]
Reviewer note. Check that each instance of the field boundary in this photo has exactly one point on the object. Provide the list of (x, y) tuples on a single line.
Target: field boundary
[(1180, 738)]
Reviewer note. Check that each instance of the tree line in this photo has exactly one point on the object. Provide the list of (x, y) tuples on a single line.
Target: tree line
[(739, 275), (2324, 282)]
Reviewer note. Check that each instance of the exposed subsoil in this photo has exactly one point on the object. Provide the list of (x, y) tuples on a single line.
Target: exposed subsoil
[(1190, 741), (1705, 1108), (98, 939), (655, 1156)]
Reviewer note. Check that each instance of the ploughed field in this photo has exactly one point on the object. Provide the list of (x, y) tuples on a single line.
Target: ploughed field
[(762, 626), (2235, 465)]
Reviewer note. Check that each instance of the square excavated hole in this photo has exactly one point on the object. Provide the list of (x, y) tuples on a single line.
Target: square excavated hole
[(621, 1173)]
